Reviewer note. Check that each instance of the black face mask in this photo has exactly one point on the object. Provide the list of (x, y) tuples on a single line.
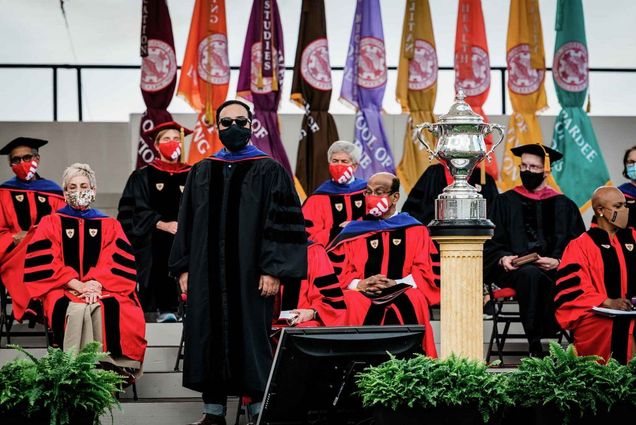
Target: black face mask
[(235, 138), (531, 180)]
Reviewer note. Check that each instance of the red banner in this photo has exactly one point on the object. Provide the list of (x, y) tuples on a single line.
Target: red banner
[(158, 72)]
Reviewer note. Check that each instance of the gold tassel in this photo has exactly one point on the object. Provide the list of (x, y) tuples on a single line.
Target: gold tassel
[(546, 159), (589, 103), (182, 145), (482, 172)]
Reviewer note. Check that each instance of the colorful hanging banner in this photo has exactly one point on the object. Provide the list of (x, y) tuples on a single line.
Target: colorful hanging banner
[(363, 88), (582, 168)]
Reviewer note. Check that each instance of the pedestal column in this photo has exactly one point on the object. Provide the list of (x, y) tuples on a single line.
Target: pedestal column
[(462, 327)]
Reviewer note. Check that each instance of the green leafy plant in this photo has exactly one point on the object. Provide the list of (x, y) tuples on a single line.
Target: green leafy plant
[(59, 384), (428, 383), (574, 385)]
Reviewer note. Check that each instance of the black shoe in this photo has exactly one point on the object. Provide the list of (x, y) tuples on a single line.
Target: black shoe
[(208, 419)]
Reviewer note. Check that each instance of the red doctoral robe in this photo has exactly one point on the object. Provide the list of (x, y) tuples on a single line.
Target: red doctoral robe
[(22, 206), (594, 268), (87, 245), (400, 249), (321, 290), (331, 205)]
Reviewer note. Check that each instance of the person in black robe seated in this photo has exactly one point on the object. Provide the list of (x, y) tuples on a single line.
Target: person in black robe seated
[(531, 219), (148, 211), (420, 203), (240, 233)]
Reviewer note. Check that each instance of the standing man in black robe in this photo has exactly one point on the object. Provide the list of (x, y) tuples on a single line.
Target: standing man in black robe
[(531, 218), (240, 232)]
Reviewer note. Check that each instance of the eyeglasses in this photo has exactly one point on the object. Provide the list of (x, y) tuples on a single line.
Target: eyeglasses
[(533, 168), (18, 159), (377, 192), (227, 121)]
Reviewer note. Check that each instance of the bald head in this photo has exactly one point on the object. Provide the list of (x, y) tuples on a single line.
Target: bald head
[(389, 182), (606, 197)]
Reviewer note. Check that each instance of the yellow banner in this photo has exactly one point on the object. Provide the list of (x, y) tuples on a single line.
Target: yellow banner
[(526, 76), (416, 86)]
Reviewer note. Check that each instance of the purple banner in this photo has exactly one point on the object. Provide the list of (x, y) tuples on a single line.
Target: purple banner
[(363, 87), (261, 77)]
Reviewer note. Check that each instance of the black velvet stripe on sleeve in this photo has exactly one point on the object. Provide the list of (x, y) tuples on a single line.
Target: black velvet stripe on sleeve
[(124, 274), (566, 284), (40, 260), (570, 268), (331, 292), (336, 258), (338, 305), (324, 281), (124, 246), (39, 246), (39, 275), (570, 296), (123, 261)]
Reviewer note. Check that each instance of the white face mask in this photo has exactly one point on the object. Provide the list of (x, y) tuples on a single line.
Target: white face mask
[(80, 199)]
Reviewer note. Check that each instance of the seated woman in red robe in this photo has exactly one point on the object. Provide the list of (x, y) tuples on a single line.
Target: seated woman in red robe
[(384, 264), (80, 264), (598, 269)]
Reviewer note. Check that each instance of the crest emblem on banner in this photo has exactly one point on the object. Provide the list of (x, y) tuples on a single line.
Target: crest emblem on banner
[(371, 63), (629, 246), (159, 68), (70, 233), (257, 60), (19, 198), (396, 242), (181, 187), (570, 66), (358, 203), (159, 186), (423, 66), (314, 65), (374, 243), (213, 64), (338, 207), (480, 80), (523, 78)]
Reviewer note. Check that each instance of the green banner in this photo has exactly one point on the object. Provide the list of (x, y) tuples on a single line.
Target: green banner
[(582, 168)]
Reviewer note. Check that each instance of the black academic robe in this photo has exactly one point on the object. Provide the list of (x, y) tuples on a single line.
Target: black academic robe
[(240, 218), (420, 203), (152, 194), (524, 225)]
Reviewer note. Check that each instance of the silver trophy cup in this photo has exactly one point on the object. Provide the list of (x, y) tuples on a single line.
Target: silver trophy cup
[(460, 147)]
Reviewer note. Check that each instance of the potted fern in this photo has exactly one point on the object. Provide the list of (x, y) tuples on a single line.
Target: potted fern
[(564, 388), (423, 390), (60, 388)]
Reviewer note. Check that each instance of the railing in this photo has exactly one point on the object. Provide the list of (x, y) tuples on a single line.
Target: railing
[(78, 68)]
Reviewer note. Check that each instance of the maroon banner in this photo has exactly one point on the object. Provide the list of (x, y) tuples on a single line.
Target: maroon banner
[(158, 72)]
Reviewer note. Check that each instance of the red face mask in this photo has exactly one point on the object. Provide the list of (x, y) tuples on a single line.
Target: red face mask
[(25, 170), (170, 150), (341, 173), (377, 205)]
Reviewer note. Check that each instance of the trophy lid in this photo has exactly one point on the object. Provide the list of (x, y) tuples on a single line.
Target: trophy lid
[(460, 112)]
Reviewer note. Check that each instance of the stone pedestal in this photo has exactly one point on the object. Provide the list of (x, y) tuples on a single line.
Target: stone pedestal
[(462, 328)]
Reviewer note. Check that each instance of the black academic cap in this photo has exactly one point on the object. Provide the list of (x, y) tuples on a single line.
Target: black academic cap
[(539, 150), (22, 141), (170, 125)]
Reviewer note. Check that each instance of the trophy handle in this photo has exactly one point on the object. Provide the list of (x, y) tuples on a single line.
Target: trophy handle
[(418, 131), (495, 127)]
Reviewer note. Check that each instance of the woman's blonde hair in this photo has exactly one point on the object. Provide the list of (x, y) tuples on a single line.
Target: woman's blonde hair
[(78, 169)]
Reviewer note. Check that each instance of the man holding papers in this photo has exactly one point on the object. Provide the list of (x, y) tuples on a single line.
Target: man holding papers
[(598, 269)]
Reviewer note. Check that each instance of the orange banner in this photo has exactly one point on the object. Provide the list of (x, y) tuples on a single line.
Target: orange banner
[(205, 74)]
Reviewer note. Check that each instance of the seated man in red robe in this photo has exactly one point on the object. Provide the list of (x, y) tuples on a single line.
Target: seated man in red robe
[(24, 200), (339, 200), (598, 269), (80, 264), (385, 263), (321, 300)]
